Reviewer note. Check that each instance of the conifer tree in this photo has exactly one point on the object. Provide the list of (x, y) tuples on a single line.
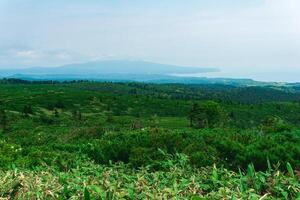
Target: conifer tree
[(3, 120)]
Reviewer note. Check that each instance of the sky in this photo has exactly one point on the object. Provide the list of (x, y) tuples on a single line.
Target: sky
[(257, 39)]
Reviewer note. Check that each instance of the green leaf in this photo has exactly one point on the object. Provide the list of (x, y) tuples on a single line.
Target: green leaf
[(269, 166), (96, 189), (290, 170), (131, 193), (215, 176), (87, 195), (197, 198), (251, 171)]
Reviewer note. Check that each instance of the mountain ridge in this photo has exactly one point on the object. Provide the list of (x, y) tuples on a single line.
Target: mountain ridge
[(111, 67)]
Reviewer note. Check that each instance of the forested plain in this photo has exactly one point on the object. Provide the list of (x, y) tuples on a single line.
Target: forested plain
[(104, 140)]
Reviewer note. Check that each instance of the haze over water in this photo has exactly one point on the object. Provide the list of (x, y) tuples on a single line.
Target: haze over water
[(284, 76)]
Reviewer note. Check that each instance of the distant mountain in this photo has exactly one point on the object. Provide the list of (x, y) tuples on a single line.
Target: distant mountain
[(109, 67), (146, 78), (124, 71)]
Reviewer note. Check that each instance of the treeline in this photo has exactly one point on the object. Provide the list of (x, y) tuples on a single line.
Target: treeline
[(221, 93), (37, 82)]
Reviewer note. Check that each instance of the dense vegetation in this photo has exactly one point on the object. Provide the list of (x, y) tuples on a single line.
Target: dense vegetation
[(135, 141)]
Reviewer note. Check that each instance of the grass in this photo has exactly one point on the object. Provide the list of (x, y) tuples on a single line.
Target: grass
[(177, 180)]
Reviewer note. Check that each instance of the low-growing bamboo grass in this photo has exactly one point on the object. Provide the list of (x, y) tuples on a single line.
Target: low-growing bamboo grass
[(177, 180)]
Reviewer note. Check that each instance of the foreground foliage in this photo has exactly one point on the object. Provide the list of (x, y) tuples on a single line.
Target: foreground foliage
[(176, 180)]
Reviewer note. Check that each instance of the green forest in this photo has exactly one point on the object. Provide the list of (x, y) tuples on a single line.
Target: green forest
[(127, 140)]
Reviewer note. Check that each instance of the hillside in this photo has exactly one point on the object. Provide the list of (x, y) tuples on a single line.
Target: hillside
[(100, 140)]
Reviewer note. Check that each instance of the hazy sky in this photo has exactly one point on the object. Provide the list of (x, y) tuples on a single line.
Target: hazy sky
[(245, 38)]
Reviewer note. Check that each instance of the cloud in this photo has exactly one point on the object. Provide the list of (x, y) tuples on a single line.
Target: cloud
[(22, 57), (30, 54)]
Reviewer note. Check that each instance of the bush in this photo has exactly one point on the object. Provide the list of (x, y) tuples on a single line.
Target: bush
[(273, 124), (9, 153), (206, 114), (204, 148)]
